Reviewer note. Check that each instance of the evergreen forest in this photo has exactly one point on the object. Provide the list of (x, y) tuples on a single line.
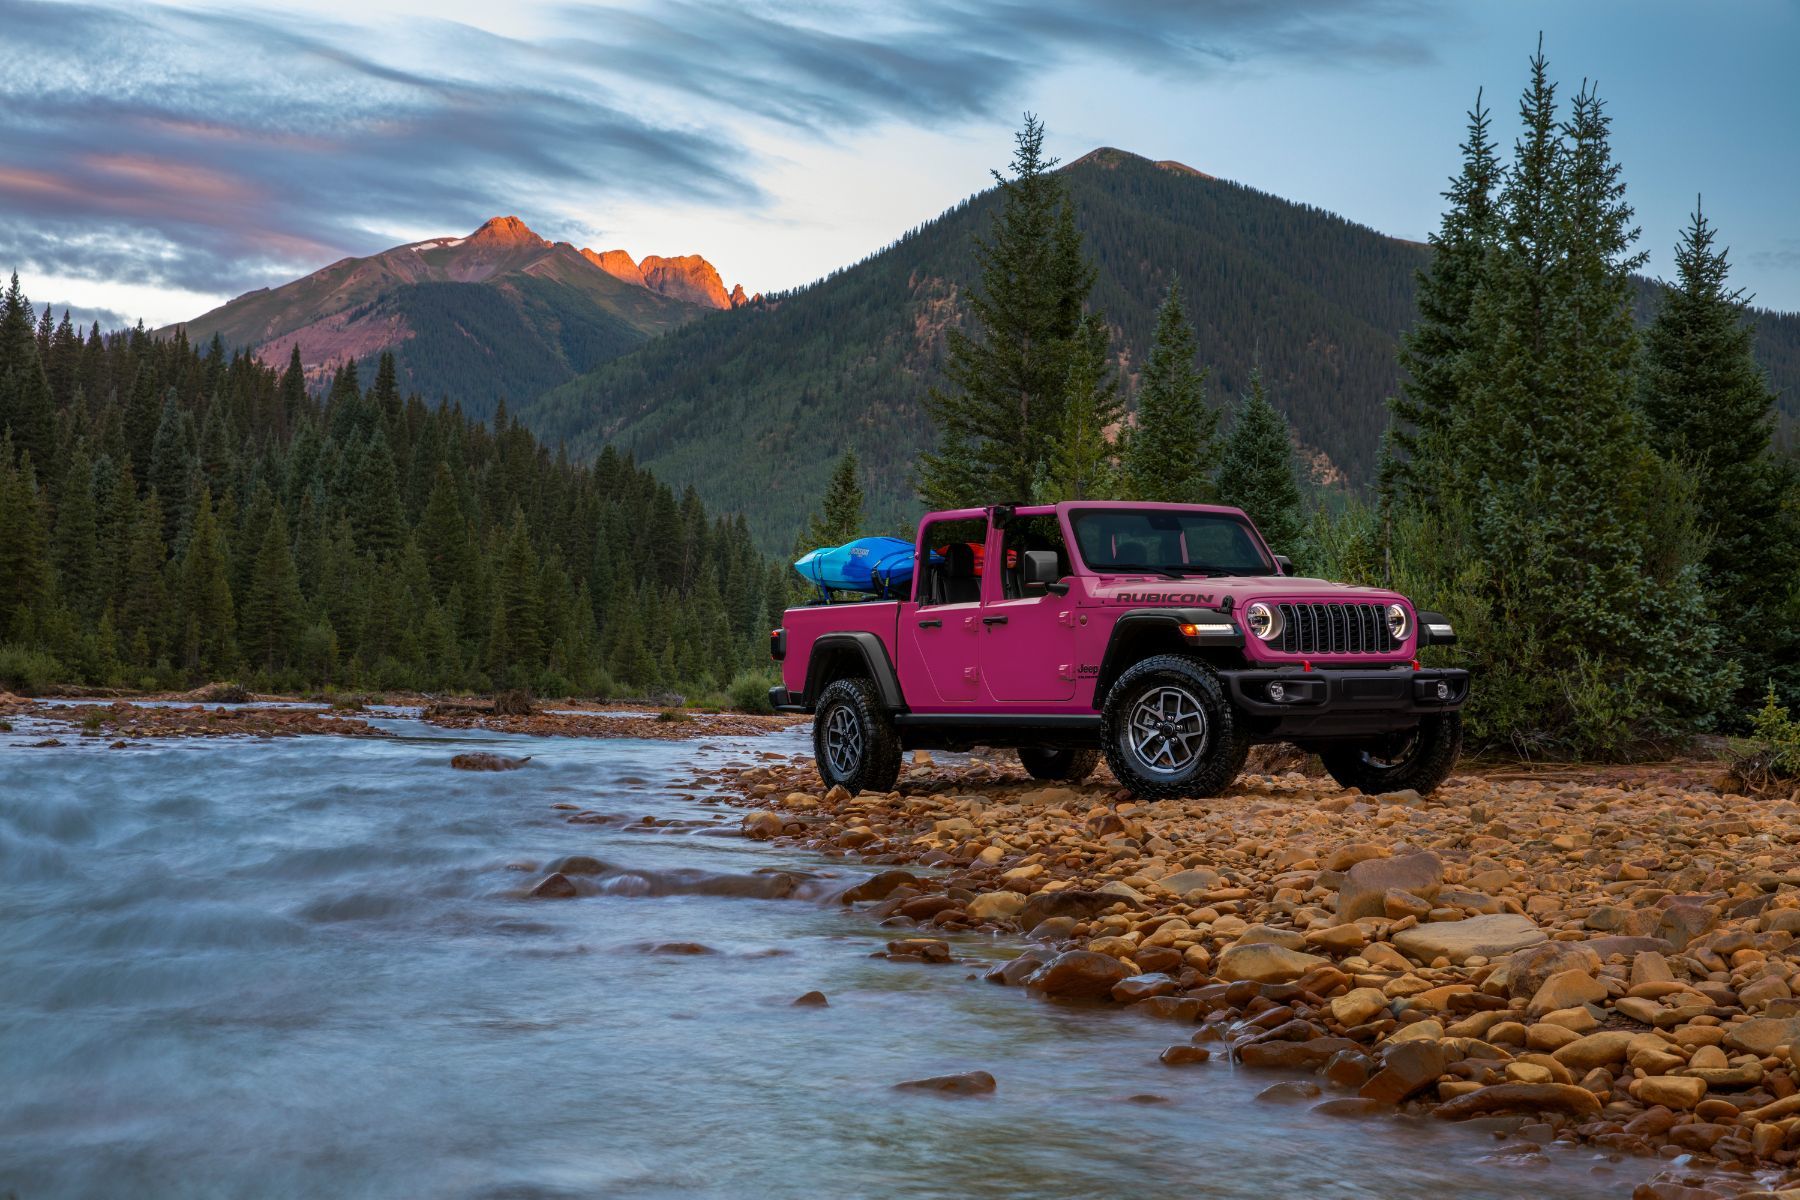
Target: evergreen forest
[(170, 515)]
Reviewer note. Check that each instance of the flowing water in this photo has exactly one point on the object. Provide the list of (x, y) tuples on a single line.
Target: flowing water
[(304, 968)]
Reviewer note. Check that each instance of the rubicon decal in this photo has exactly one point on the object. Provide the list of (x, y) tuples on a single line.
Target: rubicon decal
[(1163, 598)]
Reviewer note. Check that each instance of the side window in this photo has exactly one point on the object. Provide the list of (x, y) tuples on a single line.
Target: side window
[(951, 572), (1029, 533)]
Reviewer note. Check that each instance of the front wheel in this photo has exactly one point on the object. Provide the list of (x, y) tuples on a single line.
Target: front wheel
[(1419, 759), (1060, 766), (1168, 730), (854, 743)]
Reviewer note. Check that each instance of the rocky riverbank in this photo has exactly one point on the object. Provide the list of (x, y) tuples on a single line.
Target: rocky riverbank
[(1600, 956), (126, 722)]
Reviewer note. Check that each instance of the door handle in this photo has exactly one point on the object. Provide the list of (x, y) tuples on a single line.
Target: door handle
[(993, 620), (931, 624)]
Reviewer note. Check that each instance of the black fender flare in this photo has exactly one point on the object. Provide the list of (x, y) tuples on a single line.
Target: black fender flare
[(1216, 631), (870, 648), (1429, 623)]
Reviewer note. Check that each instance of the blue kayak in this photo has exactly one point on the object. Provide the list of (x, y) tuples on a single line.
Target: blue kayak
[(880, 566)]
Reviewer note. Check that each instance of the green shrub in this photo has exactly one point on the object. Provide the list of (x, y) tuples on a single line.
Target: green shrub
[(1771, 754), (673, 716), (749, 691), (27, 670)]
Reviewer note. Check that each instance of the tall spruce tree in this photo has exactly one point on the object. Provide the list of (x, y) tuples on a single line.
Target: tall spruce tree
[(76, 543), (999, 417), (1433, 353), (209, 624), (1083, 462), (840, 517), (25, 578), (1574, 522), (1709, 408), (1256, 470), (270, 624), (1172, 452)]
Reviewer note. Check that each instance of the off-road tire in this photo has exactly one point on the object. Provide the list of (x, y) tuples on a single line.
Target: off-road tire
[(1204, 761), (1424, 765), (865, 756), (1067, 765)]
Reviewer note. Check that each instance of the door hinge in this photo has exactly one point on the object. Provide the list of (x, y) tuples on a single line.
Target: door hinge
[(970, 673)]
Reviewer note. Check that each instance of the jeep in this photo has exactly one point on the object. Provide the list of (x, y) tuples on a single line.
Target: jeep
[(1165, 636)]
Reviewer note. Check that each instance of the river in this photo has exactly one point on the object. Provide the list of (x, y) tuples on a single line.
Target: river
[(304, 968)]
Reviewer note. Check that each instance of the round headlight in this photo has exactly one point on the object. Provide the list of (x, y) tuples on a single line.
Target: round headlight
[(1397, 622), (1263, 620)]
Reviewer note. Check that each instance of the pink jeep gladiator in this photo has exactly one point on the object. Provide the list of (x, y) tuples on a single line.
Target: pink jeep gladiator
[(1165, 636)]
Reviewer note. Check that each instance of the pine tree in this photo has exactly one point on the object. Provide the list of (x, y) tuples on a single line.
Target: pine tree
[(272, 607), (24, 544), (1173, 451), (516, 630), (374, 495), (1256, 470), (170, 464), (1709, 407), (293, 389), (209, 637), (444, 535), (27, 407), (1083, 462), (1433, 353), (999, 418), (840, 519), (144, 599), (76, 545)]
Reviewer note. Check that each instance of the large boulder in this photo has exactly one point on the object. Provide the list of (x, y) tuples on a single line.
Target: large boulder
[(1522, 1098), (1488, 936), (1194, 879), (1604, 1049), (996, 906), (1065, 902), (1364, 890), (1566, 989), (1527, 969), (1406, 1070), (1266, 963), (969, 1083), (1763, 1035), (1079, 975)]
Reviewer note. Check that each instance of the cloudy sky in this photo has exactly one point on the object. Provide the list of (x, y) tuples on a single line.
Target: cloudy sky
[(156, 159)]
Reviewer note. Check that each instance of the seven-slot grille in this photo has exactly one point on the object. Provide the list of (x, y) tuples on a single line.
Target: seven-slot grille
[(1334, 629)]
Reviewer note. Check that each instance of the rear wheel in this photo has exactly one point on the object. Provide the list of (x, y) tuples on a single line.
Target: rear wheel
[(1064, 766), (1169, 730), (854, 742), (1419, 759)]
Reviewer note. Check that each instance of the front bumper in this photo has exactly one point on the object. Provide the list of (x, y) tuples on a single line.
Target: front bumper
[(1325, 703)]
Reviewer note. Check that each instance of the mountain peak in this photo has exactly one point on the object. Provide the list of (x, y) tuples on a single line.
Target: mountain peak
[(1110, 158), (508, 231)]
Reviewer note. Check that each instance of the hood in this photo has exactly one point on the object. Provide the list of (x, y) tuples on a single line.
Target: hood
[(1146, 591)]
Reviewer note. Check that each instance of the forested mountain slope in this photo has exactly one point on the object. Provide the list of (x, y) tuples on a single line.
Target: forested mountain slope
[(499, 314), (754, 405)]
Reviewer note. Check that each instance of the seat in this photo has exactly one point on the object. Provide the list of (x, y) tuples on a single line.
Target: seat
[(960, 583)]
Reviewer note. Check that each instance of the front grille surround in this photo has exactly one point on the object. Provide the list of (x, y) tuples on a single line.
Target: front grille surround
[(1333, 627)]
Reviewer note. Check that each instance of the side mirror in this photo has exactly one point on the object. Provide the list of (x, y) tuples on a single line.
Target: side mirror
[(1041, 573), (1284, 564)]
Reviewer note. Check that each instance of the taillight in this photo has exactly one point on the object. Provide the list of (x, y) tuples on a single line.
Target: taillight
[(778, 644)]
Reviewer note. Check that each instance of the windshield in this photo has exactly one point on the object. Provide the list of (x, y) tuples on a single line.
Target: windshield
[(1169, 542)]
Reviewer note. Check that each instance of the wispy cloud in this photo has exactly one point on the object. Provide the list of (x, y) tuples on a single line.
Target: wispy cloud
[(214, 151)]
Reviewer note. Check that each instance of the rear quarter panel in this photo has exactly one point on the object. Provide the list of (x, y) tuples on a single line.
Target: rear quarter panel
[(806, 626)]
